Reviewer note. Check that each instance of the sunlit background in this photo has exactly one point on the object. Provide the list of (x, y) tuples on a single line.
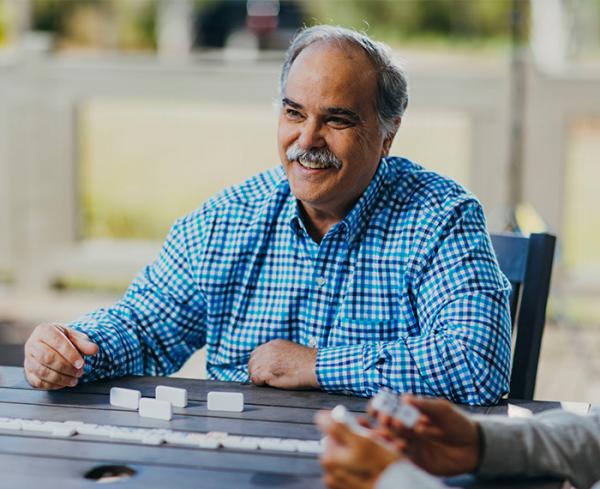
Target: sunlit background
[(118, 116)]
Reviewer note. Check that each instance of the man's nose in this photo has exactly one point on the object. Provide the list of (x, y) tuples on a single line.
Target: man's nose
[(311, 135)]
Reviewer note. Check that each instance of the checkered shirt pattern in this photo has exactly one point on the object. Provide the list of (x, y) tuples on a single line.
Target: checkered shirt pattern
[(404, 293)]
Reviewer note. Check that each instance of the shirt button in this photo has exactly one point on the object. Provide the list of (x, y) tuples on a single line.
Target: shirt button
[(321, 281), (312, 342)]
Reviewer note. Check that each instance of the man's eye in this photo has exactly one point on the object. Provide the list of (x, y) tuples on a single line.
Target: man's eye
[(339, 122), (293, 114)]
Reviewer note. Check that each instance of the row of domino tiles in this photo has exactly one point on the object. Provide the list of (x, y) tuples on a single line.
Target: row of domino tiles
[(151, 436)]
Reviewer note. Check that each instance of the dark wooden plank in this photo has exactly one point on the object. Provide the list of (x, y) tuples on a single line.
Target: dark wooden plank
[(11, 355), (68, 468), (241, 426), (12, 377), (534, 406), (471, 482), (69, 398), (34, 472), (86, 448)]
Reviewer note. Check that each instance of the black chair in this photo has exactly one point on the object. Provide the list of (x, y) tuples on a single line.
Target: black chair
[(527, 262)]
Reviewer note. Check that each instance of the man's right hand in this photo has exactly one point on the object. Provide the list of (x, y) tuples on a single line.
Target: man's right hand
[(444, 440), (54, 356)]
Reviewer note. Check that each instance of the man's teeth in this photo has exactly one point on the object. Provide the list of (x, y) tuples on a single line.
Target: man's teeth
[(313, 165)]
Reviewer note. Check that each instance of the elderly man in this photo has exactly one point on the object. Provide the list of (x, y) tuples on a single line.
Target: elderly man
[(344, 269)]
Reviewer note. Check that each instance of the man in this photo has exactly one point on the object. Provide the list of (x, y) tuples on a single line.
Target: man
[(445, 442), (344, 269)]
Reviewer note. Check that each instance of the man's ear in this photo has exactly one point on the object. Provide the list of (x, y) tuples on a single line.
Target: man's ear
[(389, 139)]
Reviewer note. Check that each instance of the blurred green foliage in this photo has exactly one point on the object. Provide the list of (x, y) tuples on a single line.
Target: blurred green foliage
[(134, 21), (389, 20), (401, 20), (3, 23)]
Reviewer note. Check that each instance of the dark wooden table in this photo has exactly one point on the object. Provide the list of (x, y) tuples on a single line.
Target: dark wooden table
[(38, 460)]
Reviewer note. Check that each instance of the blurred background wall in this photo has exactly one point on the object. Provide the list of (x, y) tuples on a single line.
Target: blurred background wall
[(118, 116)]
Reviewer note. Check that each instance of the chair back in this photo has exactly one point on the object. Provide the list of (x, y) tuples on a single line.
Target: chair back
[(527, 263)]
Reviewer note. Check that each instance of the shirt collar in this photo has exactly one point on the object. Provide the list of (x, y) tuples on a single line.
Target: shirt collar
[(356, 220)]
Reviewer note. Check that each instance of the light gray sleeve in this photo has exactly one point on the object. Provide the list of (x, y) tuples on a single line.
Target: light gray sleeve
[(556, 443), (404, 474)]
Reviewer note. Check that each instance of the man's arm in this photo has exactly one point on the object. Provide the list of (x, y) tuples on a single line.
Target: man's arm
[(159, 322), (462, 351), (553, 443)]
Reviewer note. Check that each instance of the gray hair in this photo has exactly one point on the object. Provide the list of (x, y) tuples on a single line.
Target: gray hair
[(392, 87)]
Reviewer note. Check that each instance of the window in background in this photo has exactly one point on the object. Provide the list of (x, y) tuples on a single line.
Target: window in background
[(582, 199), (145, 163), (438, 140)]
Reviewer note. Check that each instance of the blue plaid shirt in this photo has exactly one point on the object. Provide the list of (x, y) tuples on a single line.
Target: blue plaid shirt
[(405, 292)]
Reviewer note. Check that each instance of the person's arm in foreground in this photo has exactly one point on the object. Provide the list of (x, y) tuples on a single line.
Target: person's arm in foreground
[(447, 442), (157, 325), (352, 461), (462, 349)]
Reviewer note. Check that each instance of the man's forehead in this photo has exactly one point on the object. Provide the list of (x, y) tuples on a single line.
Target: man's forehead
[(338, 53), (338, 76)]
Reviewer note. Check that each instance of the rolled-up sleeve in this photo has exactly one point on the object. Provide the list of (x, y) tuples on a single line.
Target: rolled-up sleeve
[(462, 349), (158, 323)]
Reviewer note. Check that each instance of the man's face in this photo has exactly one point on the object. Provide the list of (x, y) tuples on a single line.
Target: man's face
[(329, 106)]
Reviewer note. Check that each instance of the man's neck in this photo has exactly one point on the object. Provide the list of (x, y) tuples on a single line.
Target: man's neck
[(318, 222)]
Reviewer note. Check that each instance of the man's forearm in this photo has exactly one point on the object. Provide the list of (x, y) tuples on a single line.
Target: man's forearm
[(554, 443)]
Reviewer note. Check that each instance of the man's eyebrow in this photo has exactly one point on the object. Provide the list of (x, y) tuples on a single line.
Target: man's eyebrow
[(291, 103)]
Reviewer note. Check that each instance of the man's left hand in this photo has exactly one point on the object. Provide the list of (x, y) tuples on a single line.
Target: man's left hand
[(284, 364)]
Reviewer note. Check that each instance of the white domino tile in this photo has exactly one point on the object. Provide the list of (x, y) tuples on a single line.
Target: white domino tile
[(240, 442), (313, 447), (125, 398), (385, 401), (278, 444), (518, 412), (342, 415), (64, 431), (213, 440), (408, 415), (153, 408), (10, 424), (225, 401), (579, 408), (128, 434), (177, 397)]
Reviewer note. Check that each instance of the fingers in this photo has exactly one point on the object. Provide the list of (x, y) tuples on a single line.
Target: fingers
[(47, 375), (256, 371), (55, 338), (339, 432), (81, 341), (38, 383), (432, 408), (342, 479), (51, 359)]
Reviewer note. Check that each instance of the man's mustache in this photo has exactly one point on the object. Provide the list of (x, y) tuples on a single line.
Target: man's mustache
[(322, 156)]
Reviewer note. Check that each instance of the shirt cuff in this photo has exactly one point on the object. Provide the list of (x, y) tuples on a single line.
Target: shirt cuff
[(405, 474), (349, 369), (503, 446), (341, 369), (93, 365)]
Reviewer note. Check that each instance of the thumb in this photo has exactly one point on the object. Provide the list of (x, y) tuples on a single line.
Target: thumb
[(436, 411), (82, 342), (337, 431)]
